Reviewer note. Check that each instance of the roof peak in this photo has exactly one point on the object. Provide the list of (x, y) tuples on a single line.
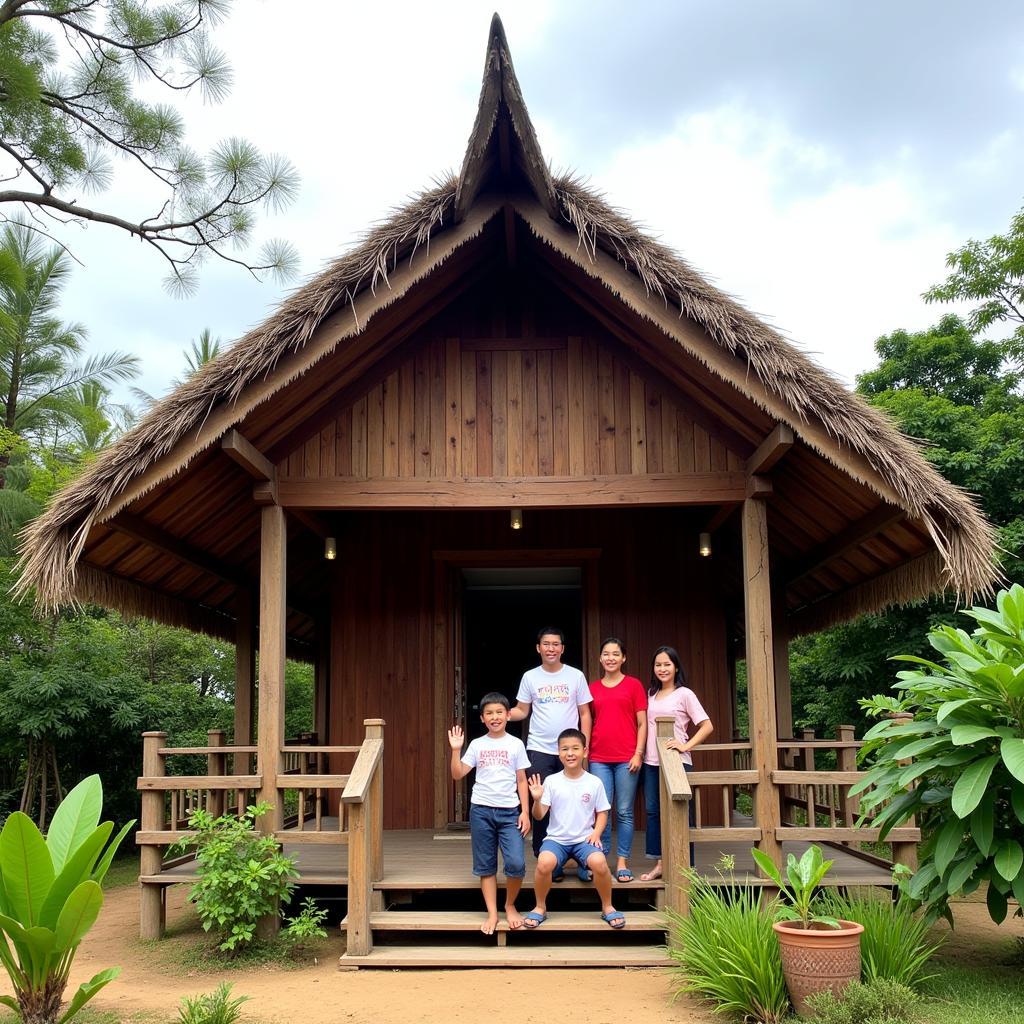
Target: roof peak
[(503, 147)]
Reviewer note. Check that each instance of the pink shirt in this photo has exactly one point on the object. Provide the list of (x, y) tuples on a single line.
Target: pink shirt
[(683, 706)]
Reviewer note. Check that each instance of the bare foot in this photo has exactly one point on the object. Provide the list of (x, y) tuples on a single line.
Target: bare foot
[(489, 925), (650, 876), (514, 918)]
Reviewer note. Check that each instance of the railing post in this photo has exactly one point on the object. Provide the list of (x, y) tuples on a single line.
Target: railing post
[(905, 853), (151, 897), (675, 836), (807, 765), (849, 806), (216, 764), (375, 731)]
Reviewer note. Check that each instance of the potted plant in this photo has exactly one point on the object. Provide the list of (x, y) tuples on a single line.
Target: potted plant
[(818, 953)]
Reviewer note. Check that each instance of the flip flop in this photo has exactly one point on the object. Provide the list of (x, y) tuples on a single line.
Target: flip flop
[(532, 920), (584, 874), (615, 919), (624, 875)]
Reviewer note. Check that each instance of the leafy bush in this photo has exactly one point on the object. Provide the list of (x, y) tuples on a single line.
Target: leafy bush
[(308, 923), (243, 875), (873, 1002), (50, 897), (726, 951), (216, 1007), (894, 945), (965, 746)]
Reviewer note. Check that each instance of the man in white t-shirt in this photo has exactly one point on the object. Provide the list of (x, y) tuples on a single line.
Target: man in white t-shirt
[(497, 808), (577, 806), (556, 697)]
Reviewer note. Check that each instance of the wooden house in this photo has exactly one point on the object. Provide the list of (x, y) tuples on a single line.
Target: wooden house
[(506, 346)]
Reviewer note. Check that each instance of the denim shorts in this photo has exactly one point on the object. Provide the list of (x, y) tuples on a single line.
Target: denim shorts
[(489, 828), (563, 851)]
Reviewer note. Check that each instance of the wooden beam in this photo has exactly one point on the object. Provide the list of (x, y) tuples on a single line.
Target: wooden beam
[(759, 487), (846, 540), (253, 461), (522, 492), (773, 448)]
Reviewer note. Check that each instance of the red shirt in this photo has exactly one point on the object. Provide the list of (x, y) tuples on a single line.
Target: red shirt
[(615, 708)]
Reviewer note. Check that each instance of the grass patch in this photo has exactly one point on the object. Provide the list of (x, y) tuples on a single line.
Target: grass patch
[(91, 1015), (974, 995), (198, 954), (124, 871)]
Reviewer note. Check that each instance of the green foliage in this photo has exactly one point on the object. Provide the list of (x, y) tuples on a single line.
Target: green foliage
[(870, 1002), (243, 875), (49, 899), (802, 879), (726, 951), (894, 945), (965, 746), (308, 923), (77, 86), (215, 1007)]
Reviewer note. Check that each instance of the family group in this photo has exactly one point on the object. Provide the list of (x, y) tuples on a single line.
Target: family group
[(607, 727)]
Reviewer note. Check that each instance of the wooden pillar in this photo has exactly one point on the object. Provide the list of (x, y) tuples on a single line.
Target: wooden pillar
[(216, 764), (273, 567), (761, 672), (780, 651), (151, 898), (675, 836), (375, 731), (245, 681)]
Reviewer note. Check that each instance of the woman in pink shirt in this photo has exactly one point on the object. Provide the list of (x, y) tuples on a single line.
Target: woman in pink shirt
[(617, 745), (669, 695)]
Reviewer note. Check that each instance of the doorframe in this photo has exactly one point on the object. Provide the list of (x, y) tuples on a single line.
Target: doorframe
[(445, 627)]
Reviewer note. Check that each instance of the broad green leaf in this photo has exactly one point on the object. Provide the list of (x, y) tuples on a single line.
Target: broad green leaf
[(924, 746), (997, 906), (947, 842), (27, 868), (1009, 858), (76, 869), (915, 770), (87, 990), (104, 865), (34, 944), (983, 820), (961, 735), (956, 758), (961, 872), (1012, 751), (74, 820), (923, 878), (768, 867), (970, 787), (1017, 887), (79, 915), (954, 705)]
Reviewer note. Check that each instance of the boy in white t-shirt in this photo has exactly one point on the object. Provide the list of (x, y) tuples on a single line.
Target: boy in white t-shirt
[(578, 806), (498, 813)]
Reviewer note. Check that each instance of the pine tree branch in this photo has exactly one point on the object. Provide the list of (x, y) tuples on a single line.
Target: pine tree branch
[(46, 186)]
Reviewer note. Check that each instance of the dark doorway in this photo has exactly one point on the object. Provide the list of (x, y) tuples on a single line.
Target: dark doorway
[(502, 610)]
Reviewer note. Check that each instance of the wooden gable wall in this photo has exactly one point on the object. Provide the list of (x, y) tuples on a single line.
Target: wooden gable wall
[(510, 382)]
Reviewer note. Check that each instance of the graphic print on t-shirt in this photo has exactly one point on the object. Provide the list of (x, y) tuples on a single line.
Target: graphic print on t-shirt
[(554, 694), (498, 758)]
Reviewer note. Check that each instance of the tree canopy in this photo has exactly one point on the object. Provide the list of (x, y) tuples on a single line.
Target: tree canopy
[(73, 77)]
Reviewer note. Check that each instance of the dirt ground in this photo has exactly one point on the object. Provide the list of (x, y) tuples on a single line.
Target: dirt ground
[(152, 981)]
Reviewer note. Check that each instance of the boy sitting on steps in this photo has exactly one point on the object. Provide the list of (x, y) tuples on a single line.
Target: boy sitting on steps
[(579, 811)]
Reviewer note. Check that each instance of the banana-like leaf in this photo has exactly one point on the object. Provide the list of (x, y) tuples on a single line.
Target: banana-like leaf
[(74, 820), (79, 915), (78, 867), (1012, 752), (971, 786), (87, 990), (34, 945), (961, 735), (104, 865), (26, 866)]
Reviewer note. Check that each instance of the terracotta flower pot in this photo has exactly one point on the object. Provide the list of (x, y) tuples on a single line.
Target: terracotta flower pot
[(818, 958)]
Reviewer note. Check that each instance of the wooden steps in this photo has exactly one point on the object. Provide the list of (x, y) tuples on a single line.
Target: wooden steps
[(469, 921), (520, 955)]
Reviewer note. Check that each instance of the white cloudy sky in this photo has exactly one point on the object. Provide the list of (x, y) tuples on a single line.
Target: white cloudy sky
[(816, 159)]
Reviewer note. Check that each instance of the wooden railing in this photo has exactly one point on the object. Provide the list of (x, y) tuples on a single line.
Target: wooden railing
[(168, 800), (675, 819)]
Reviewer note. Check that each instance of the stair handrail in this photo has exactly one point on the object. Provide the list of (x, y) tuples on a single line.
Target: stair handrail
[(675, 819)]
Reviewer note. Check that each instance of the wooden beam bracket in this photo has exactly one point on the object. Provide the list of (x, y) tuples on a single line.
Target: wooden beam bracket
[(771, 450)]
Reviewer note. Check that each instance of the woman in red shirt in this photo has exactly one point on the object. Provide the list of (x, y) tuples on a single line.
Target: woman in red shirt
[(617, 745)]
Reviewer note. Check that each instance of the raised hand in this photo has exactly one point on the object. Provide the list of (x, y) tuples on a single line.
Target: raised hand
[(536, 786), (455, 737)]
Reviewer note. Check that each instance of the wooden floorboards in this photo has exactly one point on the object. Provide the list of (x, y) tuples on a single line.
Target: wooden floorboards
[(469, 956)]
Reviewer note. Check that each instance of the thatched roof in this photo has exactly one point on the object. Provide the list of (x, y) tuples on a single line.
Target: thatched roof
[(562, 213)]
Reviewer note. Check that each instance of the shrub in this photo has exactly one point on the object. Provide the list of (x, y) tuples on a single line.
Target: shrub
[(243, 875), (965, 746), (308, 923), (894, 945), (216, 1007), (726, 951), (50, 897), (873, 1002)]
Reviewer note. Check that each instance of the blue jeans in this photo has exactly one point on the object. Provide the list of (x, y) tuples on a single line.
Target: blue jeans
[(489, 828), (652, 804), (620, 786)]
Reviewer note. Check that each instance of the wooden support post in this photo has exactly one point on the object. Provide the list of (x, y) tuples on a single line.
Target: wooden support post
[(780, 651), (360, 858), (905, 853), (846, 761), (761, 673), (245, 681), (151, 898), (216, 764), (807, 765), (375, 731), (675, 836)]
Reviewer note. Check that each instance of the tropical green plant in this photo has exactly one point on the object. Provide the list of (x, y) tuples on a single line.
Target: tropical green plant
[(216, 1007), (964, 752), (894, 945), (870, 1002), (50, 898), (725, 950), (308, 923), (803, 877), (243, 875)]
